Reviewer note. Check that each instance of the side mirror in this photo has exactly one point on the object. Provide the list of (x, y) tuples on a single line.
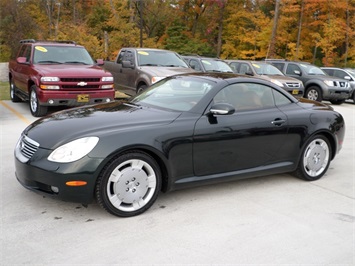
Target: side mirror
[(347, 78), (249, 73), (128, 64), (100, 62), (21, 60), (297, 72), (222, 109)]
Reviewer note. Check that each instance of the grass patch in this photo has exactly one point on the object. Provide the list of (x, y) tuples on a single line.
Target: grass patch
[(4, 90)]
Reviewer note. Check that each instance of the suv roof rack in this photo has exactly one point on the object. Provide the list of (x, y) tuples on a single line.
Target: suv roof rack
[(34, 41), (270, 59)]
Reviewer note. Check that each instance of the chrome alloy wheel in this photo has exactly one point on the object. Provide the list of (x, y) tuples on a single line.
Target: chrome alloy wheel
[(316, 157), (312, 95), (33, 101), (131, 185)]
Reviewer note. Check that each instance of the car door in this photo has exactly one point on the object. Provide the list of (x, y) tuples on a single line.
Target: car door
[(249, 138), (23, 71)]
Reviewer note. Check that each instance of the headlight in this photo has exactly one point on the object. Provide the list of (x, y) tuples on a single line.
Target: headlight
[(73, 150), (107, 79), (156, 79), (278, 83), (329, 82), (49, 79)]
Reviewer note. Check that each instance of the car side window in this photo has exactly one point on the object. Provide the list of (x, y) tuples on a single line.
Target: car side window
[(340, 74), (120, 57), (25, 52), (280, 99), (244, 68), (246, 96), (280, 66), (195, 65), (234, 67), (292, 69), (128, 56)]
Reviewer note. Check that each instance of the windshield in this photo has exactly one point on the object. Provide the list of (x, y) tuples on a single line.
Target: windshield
[(160, 58), (61, 55), (216, 66), (174, 93), (312, 70), (266, 69)]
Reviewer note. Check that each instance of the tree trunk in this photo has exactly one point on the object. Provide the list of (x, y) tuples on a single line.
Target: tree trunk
[(272, 49)]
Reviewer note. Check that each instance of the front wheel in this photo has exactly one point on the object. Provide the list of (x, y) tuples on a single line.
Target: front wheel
[(315, 159), (314, 93), (14, 98), (129, 185), (141, 88), (37, 110)]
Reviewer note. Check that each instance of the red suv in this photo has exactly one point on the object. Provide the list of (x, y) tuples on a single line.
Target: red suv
[(48, 73)]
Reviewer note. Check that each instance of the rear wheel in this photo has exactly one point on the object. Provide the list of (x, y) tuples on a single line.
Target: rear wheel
[(129, 185), (314, 93), (14, 98), (37, 110), (315, 159)]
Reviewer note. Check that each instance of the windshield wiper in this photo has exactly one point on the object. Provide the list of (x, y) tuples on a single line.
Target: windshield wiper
[(49, 62), (148, 65), (172, 66), (132, 104), (75, 62)]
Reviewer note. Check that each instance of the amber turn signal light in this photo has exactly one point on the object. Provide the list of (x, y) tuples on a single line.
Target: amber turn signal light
[(76, 183)]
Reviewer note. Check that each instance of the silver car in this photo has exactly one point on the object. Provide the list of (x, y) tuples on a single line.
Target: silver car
[(348, 74)]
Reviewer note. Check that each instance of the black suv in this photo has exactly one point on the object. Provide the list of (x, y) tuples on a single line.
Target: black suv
[(318, 85), (206, 64)]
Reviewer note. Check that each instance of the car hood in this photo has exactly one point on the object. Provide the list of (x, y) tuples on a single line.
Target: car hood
[(165, 71), (280, 78), (68, 70), (96, 120)]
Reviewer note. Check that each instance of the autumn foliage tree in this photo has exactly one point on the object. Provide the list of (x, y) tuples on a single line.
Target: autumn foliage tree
[(317, 31)]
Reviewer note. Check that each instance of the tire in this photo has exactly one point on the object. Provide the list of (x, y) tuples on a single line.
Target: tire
[(129, 184), (14, 98), (37, 110), (314, 93), (337, 102), (315, 159), (141, 88), (353, 97)]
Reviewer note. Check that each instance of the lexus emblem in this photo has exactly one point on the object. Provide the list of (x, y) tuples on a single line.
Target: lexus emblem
[(82, 83)]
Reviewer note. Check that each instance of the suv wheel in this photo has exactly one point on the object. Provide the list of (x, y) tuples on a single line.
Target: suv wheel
[(314, 93), (37, 110), (14, 98), (141, 88)]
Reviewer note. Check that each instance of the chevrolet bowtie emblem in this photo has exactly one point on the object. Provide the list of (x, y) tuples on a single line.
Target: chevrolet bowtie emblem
[(82, 83)]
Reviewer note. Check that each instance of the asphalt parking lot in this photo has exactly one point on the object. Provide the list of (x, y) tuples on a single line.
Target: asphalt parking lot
[(271, 220)]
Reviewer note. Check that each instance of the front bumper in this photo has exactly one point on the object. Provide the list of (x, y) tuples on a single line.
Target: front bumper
[(74, 98), (48, 178), (336, 93)]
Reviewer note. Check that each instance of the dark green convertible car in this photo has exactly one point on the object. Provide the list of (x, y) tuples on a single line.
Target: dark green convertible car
[(185, 130)]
